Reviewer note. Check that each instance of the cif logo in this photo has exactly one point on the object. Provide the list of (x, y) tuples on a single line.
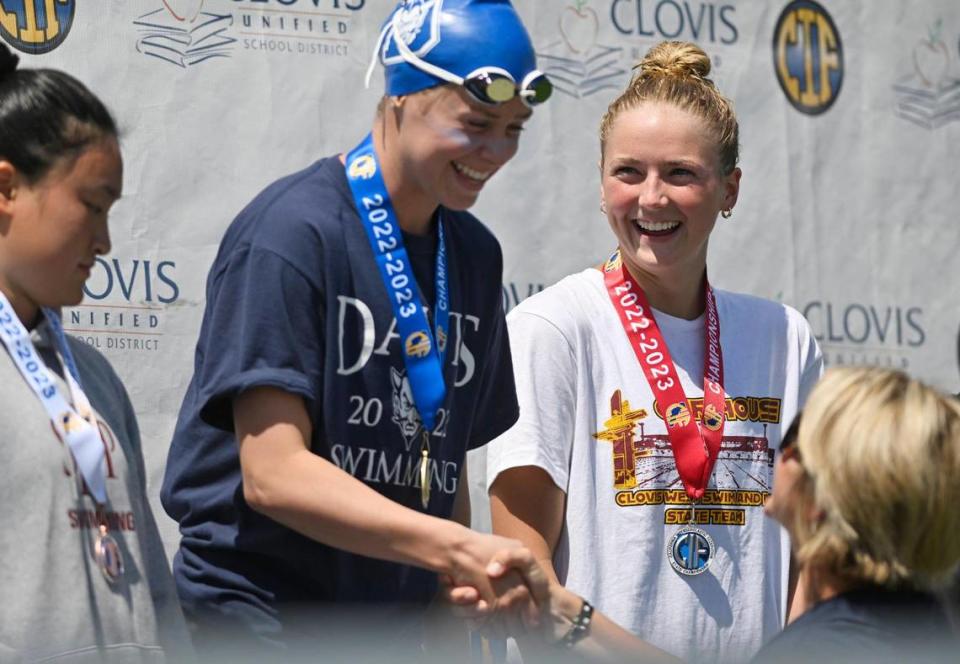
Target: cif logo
[(711, 418), (690, 551), (36, 26), (808, 56), (418, 344), (678, 415), (363, 167)]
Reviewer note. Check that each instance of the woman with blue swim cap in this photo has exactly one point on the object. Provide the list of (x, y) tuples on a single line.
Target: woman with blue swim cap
[(353, 348)]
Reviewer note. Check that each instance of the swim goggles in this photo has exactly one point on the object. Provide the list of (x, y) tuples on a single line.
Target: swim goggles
[(488, 85)]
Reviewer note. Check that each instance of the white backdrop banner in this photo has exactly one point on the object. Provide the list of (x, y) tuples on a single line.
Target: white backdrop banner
[(850, 129)]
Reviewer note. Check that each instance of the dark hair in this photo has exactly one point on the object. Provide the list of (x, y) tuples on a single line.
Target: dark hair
[(45, 115)]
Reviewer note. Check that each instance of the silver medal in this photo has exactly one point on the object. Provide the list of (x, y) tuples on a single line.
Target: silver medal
[(690, 551)]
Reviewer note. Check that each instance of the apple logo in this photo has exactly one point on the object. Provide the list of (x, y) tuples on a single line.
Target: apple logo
[(931, 59), (184, 10), (578, 27)]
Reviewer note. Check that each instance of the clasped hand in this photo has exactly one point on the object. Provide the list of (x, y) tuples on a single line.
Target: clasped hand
[(520, 602)]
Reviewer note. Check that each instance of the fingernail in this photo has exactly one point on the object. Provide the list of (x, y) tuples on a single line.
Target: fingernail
[(494, 569)]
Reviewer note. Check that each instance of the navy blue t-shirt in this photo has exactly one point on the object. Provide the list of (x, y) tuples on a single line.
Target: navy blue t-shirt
[(295, 301), (868, 625)]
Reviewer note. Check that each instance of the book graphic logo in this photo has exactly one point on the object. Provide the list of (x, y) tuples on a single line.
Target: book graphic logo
[(929, 95), (575, 63), (36, 26), (181, 33)]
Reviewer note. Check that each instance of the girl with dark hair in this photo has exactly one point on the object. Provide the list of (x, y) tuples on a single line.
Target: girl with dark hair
[(85, 574)]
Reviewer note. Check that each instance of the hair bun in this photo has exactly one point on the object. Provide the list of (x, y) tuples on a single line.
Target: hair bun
[(675, 59), (8, 61)]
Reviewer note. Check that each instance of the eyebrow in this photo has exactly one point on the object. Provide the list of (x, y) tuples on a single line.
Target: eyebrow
[(493, 116)]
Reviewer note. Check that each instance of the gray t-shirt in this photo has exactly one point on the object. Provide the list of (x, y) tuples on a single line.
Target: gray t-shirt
[(55, 603)]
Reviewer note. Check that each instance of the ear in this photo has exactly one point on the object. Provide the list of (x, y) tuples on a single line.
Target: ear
[(603, 198), (731, 189), (9, 182)]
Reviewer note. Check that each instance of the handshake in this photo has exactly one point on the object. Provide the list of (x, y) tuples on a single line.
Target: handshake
[(501, 590)]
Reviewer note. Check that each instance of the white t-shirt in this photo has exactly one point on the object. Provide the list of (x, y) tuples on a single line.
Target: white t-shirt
[(589, 419)]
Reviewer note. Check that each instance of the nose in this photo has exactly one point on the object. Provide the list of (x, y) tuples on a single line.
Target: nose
[(101, 237), (652, 194), (498, 150)]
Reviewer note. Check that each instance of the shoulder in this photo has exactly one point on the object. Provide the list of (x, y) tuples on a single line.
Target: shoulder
[(567, 307), (303, 205), (96, 372), (757, 312), (295, 219)]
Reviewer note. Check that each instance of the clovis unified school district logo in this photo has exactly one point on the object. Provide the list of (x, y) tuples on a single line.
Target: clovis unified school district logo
[(36, 26)]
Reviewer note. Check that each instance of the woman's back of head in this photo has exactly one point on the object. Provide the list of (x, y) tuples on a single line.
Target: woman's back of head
[(882, 454)]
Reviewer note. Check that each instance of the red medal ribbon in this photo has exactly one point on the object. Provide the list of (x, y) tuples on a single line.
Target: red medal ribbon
[(695, 448)]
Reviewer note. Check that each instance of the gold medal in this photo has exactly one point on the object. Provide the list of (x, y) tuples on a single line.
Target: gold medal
[(107, 553), (425, 471)]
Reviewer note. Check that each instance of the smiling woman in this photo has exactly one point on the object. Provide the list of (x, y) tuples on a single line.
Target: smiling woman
[(295, 487), (629, 474), (89, 574)]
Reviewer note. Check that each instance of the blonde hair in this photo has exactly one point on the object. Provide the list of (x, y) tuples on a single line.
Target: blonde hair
[(880, 502), (675, 72)]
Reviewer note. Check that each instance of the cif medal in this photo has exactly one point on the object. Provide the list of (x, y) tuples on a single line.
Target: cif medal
[(108, 556), (690, 551), (425, 470)]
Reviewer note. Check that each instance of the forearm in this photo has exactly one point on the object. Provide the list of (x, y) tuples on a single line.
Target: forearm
[(312, 496), (605, 641), (527, 506)]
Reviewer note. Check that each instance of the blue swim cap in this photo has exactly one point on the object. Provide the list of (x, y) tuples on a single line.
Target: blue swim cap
[(458, 36)]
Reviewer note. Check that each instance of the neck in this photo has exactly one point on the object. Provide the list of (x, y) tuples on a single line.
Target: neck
[(413, 206), (25, 309), (815, 586), (681, 294)]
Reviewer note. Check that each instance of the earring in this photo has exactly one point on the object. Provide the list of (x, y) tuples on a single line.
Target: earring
[(726, 214), (603, 207)]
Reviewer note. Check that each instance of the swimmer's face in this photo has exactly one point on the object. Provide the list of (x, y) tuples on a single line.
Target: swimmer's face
[(450, 145), (57, 226), (662, 189)]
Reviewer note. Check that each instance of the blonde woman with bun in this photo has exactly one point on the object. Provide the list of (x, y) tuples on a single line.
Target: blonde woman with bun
[(866, 485), (650, 403)]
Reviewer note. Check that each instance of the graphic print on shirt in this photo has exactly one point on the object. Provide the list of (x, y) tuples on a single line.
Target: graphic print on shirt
[(90, 519), (360, 338), (405, 414), (645, 473)]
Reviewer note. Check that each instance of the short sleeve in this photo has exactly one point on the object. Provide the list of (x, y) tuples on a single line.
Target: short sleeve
[(263, 328), (546, 379), (497, 406), (812, 362)]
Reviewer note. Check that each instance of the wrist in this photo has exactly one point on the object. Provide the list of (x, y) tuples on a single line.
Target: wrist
[(579, 625), (430, 543)]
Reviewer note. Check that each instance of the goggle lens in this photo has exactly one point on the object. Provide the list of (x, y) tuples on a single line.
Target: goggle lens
[(495, 88), (538, 90)]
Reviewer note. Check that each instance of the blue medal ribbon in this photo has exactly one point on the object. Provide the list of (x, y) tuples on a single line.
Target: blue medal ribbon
[(423, 349)]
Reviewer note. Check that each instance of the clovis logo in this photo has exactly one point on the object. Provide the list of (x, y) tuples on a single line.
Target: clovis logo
[(36, 26)]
